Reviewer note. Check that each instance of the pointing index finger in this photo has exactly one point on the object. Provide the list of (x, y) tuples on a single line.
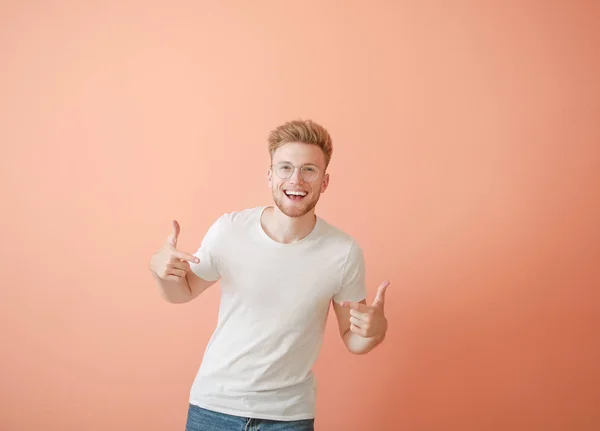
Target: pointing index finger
[(354, 306), (186, 256)]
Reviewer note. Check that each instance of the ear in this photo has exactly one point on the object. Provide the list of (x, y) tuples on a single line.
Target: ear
[(270, 177), (325, 182)]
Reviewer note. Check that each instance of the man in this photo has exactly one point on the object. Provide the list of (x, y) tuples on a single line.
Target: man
[(279, 267)]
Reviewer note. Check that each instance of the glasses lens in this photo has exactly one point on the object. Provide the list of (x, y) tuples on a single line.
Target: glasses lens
[(310, 172), (284, 170)]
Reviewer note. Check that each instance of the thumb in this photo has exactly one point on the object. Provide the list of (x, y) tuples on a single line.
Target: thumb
[(380, 296), (172, 239)]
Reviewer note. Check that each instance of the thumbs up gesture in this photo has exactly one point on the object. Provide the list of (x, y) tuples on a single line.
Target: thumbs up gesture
[(369, 321), (168, 263)]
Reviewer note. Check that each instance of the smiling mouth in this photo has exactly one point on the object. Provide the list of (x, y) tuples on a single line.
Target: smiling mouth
[(295, 195)]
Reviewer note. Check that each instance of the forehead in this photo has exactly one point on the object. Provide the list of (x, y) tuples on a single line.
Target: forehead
[(299, 153)]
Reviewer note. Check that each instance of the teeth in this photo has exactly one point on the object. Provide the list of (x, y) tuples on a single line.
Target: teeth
[(290, 192)]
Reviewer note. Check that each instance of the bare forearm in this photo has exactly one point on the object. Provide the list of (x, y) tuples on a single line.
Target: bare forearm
[(176, 292), (360, 345)]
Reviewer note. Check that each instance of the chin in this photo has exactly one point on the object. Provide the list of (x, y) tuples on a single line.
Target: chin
[(294, 209)]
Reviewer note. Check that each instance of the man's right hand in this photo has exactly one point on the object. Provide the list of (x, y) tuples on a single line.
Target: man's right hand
[(168, 263)]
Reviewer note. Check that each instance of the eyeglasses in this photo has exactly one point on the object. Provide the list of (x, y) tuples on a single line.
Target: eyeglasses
[(285, 170)]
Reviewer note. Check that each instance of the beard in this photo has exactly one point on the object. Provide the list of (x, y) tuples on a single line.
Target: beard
[(294, 209)]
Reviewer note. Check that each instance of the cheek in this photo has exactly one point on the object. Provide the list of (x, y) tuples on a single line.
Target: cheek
[(274, 183)]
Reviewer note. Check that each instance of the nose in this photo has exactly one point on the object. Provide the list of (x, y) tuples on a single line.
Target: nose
[(296, 177)]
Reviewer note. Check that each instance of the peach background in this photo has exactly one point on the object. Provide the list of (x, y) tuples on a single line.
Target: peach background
[(467, 163)]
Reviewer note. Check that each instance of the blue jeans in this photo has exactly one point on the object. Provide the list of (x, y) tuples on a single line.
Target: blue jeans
[(200, 419)]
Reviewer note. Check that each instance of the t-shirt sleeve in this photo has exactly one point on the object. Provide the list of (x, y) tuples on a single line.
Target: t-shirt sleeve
[(208, 253), (353, 286)]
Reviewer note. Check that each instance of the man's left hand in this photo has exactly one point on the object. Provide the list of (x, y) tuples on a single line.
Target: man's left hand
[(369, 321)]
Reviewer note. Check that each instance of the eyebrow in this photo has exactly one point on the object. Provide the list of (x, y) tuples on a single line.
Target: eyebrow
[(304, 164)]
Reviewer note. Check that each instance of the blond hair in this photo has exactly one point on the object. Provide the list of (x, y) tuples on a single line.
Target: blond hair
[(305, 131)]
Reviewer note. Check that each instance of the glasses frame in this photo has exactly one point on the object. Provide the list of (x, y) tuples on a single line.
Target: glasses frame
[(274, 167)]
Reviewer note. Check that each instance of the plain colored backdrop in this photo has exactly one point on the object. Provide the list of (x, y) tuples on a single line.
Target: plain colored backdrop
[(466, 162)]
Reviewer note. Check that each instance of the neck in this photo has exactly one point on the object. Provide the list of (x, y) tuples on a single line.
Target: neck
[(285, 229)]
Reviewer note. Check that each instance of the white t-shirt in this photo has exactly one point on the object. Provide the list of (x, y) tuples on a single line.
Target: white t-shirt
[(275, 300)]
